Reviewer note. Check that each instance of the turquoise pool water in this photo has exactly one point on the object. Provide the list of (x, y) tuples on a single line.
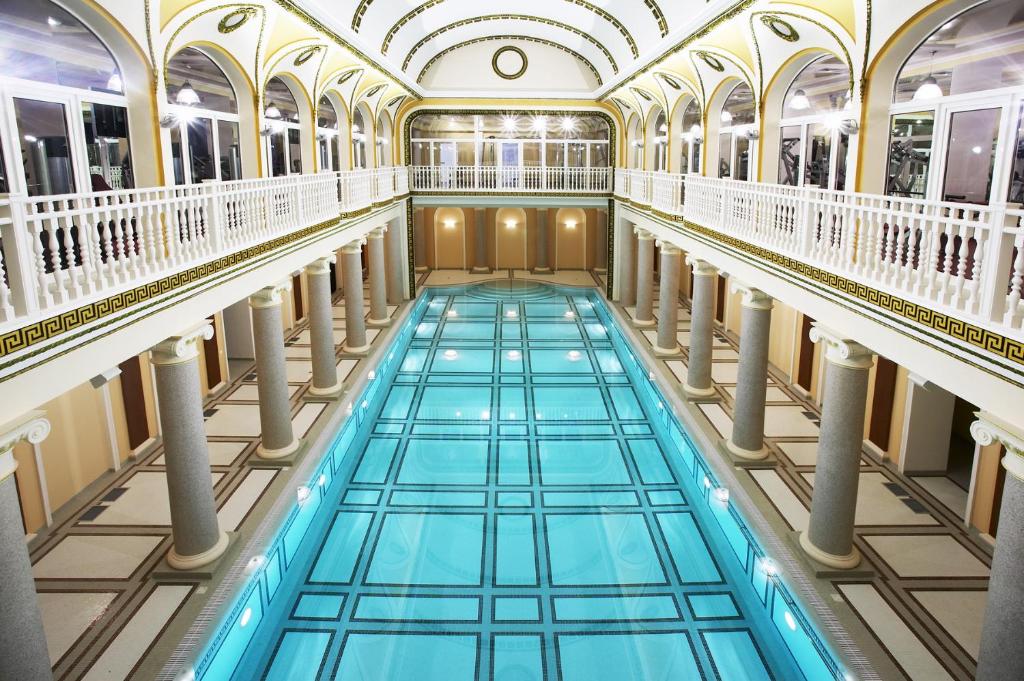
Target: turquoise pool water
[(512, 501)]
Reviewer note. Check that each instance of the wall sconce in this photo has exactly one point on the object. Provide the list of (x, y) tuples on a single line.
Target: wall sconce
[(570, 224), (449, 224), (510, 224)]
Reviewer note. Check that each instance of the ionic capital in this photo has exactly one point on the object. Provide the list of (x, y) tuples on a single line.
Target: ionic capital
[(355, 247), (270, 296), (321, 265), (989, 429), (668, 248), (841, 350), (643, 234), (377, 233), (181, 347), (701, 268), (752, 297)]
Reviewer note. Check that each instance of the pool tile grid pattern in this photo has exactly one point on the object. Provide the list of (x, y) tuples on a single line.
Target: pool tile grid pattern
[(510, 516)]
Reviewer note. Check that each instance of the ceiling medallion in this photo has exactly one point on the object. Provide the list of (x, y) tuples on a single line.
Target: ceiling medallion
[(234, 20), (509, 62), (781, 28), (711, 60)]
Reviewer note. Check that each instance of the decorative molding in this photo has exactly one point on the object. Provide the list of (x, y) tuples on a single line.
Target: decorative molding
[(182, 347), (502, 50), (841, 350), (270, 296), (990, 429), (780, 27), (32, 427), (235, 20), (509, 17), (752, 297), (420, 9), (541, 41), (711, 60), (307, 54)]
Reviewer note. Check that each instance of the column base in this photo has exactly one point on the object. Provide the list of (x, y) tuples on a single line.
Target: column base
[(274, 454), (357, 350), (332, 391), (378, 322), (542, 270), (666, 351), (746, 454), (829, 560), (193, 563), (601, 270), (644, 322), (700, 393), (422, 268), (480, 270)]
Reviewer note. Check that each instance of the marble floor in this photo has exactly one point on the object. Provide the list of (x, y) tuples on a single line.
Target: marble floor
[(103, 611)]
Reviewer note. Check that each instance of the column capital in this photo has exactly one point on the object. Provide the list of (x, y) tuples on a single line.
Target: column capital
[(353, 246), (182, 347), (990, 429), (269, 296), (752, 297), (643, 234), (32, 427), (701, 268), (668, 248), (321, 265), (841, 350), (377, 232)]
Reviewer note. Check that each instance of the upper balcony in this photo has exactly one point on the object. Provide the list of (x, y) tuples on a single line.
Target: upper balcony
[(61, 252), (510, 180), (960, 262)]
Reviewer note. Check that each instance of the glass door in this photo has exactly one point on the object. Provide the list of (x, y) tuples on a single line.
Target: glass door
[(510, 162), (972, 143)]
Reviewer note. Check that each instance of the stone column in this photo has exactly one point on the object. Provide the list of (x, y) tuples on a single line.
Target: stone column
[(355, 325), (278, 440), (419, 239), (378, 277), (747, 441), (626, 259), (702, 328), (198, 539), (321, 328), (668, 301), (542, 266), (23, 651), (395, 267), (644, 279), (829, 536), (601, 262), (480, 236), (1000, 656)]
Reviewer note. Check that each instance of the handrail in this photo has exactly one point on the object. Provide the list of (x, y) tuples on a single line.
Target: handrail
[(966, 260), (510, 179), (63, 249)]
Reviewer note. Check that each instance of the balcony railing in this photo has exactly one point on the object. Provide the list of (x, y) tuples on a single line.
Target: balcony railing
[(60, 251), (511, 179), (964, 259)]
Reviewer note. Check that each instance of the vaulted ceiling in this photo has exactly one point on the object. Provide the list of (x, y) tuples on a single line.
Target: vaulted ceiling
[(605, 39)]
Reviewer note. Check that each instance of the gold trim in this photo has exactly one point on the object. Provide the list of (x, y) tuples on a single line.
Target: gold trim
[(226, 25), (416, 11), (542, 41), (502, 50), (509, 17)]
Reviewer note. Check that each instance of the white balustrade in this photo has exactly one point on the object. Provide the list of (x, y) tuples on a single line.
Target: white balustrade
[(966, 260), (64, 249), (533, 179)]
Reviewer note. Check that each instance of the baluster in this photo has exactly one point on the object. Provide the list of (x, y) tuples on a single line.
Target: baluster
[(1012, 311)]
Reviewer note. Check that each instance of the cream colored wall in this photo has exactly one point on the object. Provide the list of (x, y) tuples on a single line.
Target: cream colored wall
[(782, 341), (449, 243), (894, 452), (570, 243), (982, 512), (510, 241), (429, 216)]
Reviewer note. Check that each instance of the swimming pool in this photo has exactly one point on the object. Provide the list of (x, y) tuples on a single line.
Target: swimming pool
[(512, 500)]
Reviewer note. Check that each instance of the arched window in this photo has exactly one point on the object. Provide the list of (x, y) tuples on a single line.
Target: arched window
[(734, 141), (383, 141), (359, 132), (66, 93), (956, 125), (205, 136), (284, 137), (815, 138), (659, 139), (634, 138), (327, 135), (692, 136)]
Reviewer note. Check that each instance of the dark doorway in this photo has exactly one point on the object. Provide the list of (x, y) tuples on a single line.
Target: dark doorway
[(805, 365), (134, 401)]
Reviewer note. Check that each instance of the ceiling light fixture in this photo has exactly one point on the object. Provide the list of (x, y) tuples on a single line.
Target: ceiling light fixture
[(186, 95), (800, 101), (929, 88)]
